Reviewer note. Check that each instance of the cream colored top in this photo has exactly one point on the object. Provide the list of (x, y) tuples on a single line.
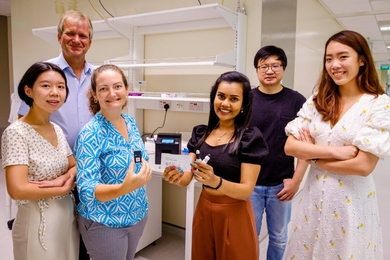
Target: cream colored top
[(22, 145)]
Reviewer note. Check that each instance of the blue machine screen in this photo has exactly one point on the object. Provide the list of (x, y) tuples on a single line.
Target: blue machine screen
[(167, 141)]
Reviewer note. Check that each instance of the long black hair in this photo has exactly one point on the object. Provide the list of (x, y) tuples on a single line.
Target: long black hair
[(242, 120)]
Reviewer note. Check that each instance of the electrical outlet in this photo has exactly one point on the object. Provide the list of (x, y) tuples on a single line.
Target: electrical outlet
[(162, 103), (196, 106), (179, 105)]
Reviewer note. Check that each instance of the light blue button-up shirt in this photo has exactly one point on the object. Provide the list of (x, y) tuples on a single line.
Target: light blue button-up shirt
[(74, 113)]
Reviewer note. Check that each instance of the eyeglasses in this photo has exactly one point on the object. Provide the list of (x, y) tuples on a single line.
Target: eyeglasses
[(275, 67)]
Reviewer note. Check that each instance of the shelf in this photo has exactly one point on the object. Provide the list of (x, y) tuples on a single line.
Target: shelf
[(201, 17), (175, 20), (225, 59), (101, 30)]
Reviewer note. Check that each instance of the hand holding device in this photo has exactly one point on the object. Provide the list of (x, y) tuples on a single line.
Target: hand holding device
[(133, 181)]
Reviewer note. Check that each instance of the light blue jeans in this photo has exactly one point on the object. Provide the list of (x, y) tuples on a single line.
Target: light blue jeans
[(278, 216)]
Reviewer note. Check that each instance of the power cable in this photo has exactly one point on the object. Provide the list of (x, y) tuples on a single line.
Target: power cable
[(105, 9), (95, 9), (166, 107)]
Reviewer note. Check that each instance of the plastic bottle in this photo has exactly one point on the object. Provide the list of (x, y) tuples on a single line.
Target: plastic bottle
[(185, 151)]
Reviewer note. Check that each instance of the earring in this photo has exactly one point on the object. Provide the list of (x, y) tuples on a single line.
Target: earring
[(95, 101), (242, 111)]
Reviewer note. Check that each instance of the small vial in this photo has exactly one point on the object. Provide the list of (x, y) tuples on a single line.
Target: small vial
[(198, 159), (206, 159)]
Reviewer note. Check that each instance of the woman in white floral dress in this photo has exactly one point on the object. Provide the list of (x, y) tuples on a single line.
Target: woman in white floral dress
[(344, 130), (40, 171)]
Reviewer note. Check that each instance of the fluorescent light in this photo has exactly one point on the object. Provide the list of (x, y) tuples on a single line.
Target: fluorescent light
[(385, 28), (388, 47)]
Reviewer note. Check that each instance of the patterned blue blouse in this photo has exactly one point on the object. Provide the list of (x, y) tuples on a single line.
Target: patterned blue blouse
[(103, 156)]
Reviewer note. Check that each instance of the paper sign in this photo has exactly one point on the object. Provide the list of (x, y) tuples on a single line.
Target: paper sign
[(182, 161)]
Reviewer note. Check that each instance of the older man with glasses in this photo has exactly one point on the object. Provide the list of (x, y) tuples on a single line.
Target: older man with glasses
[(273, 107)]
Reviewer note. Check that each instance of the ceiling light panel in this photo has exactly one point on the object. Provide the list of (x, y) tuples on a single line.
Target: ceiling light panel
[(379, 47), (353, 6), (383, 17), (380, 5), (365, 25)]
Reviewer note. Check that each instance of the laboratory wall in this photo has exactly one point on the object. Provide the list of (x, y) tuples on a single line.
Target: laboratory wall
[(313, 26)]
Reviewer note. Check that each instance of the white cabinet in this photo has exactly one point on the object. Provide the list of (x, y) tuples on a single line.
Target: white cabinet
[(152, 230)]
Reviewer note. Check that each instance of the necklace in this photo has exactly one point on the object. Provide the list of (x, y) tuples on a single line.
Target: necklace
[(219, 137)]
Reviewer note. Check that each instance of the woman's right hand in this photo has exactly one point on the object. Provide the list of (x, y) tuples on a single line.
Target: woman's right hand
[(137, 180)]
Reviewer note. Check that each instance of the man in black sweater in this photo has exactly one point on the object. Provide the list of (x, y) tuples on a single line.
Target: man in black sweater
[(273, 107)]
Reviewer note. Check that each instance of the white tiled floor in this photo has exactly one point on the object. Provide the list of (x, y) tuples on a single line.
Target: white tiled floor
[(171, 245)]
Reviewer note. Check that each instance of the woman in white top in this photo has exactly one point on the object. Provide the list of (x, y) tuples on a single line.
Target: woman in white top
[(40, 170), (344, 128)]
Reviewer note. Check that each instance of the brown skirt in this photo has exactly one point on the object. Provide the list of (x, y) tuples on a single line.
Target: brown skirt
[(224, 228)]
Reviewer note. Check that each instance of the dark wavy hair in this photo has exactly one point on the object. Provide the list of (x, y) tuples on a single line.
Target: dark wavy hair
[(31, 75), (327, 99), (242, 120), (95, 107)]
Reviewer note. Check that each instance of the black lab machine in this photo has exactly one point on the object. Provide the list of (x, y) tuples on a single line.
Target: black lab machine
[(167, 143)]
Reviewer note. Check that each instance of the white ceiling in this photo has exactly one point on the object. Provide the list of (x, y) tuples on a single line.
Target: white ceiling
[(363, 16)]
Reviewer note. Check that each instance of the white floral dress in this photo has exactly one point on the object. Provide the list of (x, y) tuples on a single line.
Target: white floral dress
[(45, 228), (337, 216)]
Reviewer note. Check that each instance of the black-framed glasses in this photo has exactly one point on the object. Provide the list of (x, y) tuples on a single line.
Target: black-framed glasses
[(275, 67)]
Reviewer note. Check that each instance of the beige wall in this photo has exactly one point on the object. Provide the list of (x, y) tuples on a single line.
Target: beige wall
[(383, 77), (314, 26)]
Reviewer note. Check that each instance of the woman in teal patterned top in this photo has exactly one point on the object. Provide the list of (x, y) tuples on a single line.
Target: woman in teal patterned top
[(113, 204)]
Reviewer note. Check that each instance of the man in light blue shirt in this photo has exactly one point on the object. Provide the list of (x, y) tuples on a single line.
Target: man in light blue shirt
[(75, 37), (75, 33)]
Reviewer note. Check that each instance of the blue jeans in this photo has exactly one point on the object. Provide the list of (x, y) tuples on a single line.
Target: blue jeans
[(278, 216)]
